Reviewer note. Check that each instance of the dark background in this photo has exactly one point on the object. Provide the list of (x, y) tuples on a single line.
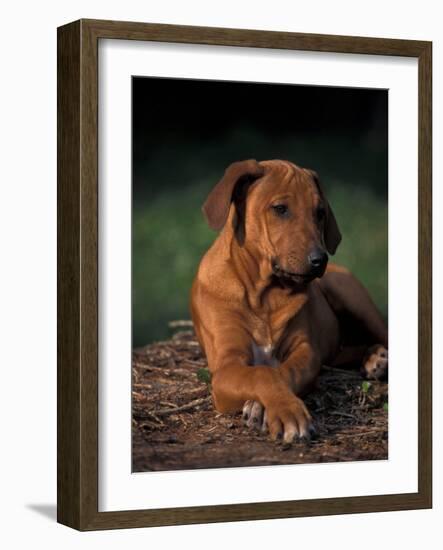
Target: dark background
[(186, 132)]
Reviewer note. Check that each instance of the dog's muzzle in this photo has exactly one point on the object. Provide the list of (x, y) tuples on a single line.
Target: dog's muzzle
[(317, 262)]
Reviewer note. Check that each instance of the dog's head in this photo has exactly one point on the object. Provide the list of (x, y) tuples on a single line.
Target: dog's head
[(280, 211)]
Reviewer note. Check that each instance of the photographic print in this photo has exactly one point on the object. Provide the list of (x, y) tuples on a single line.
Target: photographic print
[(222, 274), (223, 258), (259, 274)]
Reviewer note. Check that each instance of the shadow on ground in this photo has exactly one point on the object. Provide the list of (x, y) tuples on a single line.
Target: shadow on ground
[(49, 511)]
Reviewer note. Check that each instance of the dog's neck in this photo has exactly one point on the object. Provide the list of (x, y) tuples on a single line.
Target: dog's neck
[(254, 271)]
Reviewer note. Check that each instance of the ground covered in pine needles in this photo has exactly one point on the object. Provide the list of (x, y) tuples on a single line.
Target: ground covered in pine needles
[(175, 426)]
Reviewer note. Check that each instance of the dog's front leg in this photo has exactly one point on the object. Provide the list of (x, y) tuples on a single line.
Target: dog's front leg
[(233, 384), (299, 372), (301, 368)]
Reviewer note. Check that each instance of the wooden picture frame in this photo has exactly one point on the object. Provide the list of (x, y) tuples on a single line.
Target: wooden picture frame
[(77, 456)]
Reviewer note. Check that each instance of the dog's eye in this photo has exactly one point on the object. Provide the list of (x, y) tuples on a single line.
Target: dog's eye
[(280, 209), (321, 213)]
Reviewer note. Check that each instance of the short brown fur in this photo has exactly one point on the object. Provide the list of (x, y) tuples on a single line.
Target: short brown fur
[(256, 287)]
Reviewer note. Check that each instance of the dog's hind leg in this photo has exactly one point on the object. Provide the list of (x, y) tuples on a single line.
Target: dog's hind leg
[(364, 331)]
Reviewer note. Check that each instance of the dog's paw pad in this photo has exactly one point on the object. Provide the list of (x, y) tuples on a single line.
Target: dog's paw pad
[(375, 364)]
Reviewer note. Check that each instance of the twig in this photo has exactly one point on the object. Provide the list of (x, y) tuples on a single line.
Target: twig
[(182, 372), (151, 425), (343, 371), (144, 367), (359, 434), (194, 392), (138, 396), (187, 343), (144, 415), (336, 413), (195, 362), (167, 404), (180, 323), (187, 407), (210, 429)]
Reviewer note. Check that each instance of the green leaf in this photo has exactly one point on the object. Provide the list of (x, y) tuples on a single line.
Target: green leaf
[(385, 406), (204, 375), (365, 386)]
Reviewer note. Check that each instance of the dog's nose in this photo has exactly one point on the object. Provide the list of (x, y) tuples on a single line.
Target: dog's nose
[(318, 258)]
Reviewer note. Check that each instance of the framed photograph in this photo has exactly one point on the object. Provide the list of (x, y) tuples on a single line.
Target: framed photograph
[(241, 216)]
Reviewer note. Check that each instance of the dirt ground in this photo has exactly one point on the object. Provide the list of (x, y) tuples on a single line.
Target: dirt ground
[(175, 426)]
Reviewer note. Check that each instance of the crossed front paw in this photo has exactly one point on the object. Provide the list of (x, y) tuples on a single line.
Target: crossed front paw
[(287, 420)]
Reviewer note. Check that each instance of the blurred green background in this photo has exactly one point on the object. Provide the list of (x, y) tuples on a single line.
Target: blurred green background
[(186, 132)]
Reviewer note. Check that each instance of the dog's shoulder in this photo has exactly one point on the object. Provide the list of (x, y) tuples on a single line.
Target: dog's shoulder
[(216, 275)]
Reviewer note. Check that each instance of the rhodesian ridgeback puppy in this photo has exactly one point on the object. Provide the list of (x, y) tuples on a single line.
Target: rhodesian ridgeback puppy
[(267, 308)]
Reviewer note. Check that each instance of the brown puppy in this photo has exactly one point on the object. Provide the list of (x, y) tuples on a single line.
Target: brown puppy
[(267, 309)]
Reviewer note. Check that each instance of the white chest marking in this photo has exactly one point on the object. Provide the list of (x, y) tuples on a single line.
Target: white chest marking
[(264, 355)]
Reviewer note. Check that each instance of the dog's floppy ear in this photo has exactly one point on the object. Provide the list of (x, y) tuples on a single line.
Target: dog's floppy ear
[(332, 235), (216, 207)]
